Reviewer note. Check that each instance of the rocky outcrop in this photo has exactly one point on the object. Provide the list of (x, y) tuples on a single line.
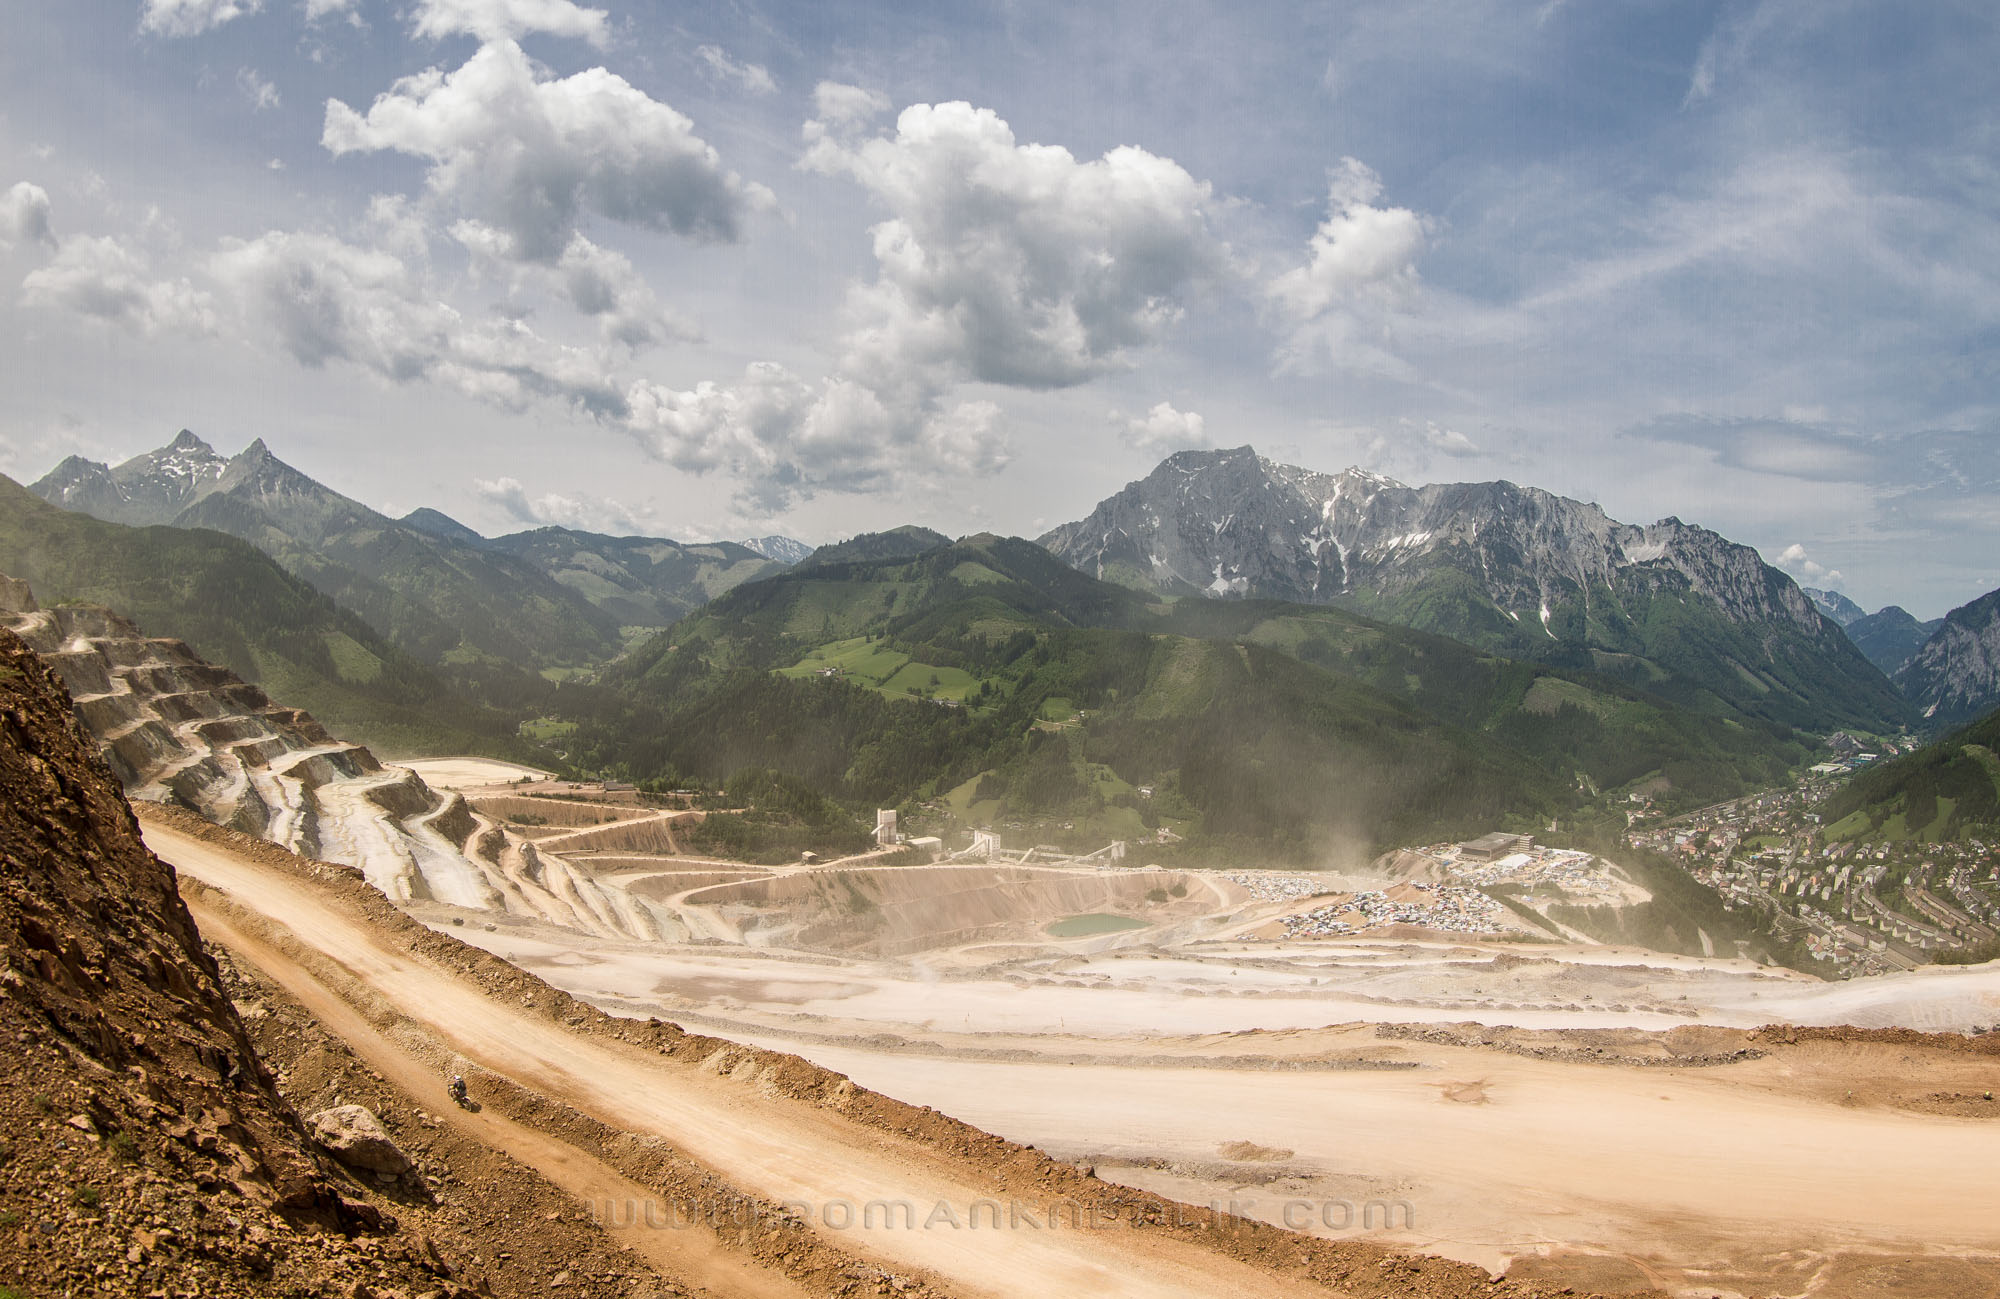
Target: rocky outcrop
[(101, 960), (1513, 569), (1955, 675), (353, 1135)]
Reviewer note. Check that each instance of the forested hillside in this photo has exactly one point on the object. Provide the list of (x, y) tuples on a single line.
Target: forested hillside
[(236, 606), (995, 684)]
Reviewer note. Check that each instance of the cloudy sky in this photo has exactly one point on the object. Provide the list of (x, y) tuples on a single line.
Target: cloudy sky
[(820, 267)]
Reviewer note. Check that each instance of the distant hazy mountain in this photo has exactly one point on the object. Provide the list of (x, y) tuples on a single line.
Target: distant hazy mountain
[(440, 524), (1891, 637), (430, 594), (1835, 605), (785, 550), (641, 581), (1671, 607), (1955, 675)]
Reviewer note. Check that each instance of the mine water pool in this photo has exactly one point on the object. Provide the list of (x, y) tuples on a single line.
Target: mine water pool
[(1095, 922)]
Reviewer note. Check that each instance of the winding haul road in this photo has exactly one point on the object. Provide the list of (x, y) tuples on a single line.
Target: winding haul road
[(786, 1151)]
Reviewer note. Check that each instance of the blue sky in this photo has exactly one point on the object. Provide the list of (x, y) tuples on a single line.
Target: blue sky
[(728, 269)]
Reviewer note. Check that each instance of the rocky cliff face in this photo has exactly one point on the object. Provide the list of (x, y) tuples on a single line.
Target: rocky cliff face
[(1514, 569), (1955, 676), (144, 1147), (1233, 523)]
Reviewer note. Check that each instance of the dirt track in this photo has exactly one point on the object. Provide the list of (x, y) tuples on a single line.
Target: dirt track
[(765, 1143), (676, 1253)]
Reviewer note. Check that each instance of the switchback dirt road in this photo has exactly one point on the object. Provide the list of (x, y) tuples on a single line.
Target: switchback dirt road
[(772, 1146)]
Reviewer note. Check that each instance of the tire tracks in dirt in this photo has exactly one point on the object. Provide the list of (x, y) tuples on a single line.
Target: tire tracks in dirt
[(690, 1256), (782, 1151)]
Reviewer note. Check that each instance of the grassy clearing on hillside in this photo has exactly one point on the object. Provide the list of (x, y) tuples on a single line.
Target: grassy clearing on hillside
[(859, 657), (888, 672), (931, 682), (1550, 693), (351, 660)]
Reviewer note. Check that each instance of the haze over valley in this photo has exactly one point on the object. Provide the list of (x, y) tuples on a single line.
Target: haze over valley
[(780, 651)]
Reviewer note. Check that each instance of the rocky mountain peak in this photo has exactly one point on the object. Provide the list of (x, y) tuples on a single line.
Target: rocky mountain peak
[(785, 550), (1509, 567), (148, 488), (1836, 606), (1955, 675)]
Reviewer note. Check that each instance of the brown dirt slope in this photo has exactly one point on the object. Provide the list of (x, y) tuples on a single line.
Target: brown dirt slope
[(143, 1145), (145, 1148)]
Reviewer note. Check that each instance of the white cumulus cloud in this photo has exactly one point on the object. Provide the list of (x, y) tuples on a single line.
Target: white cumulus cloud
[(530, 156), (24, 216), (782, 437), (1017, 264), (192, 17), (1360, 268), (997, 262), (1162, 431), (600, 283), (1808, 571), (506, 20), (327, 300), (840, 108), (583, 513), (100, 277), (1449, 441)]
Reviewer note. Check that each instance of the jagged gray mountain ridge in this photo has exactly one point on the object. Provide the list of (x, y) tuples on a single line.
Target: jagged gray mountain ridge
[(146, 489), (430, 595), (1518, 570), (428, 583), (1955, 676), (1835, 605)]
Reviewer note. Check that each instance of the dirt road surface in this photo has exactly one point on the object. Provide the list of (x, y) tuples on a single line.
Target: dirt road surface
[(785, 1152)]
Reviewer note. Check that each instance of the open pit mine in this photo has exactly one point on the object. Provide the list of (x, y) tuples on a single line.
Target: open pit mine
[(1386, 1058)]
